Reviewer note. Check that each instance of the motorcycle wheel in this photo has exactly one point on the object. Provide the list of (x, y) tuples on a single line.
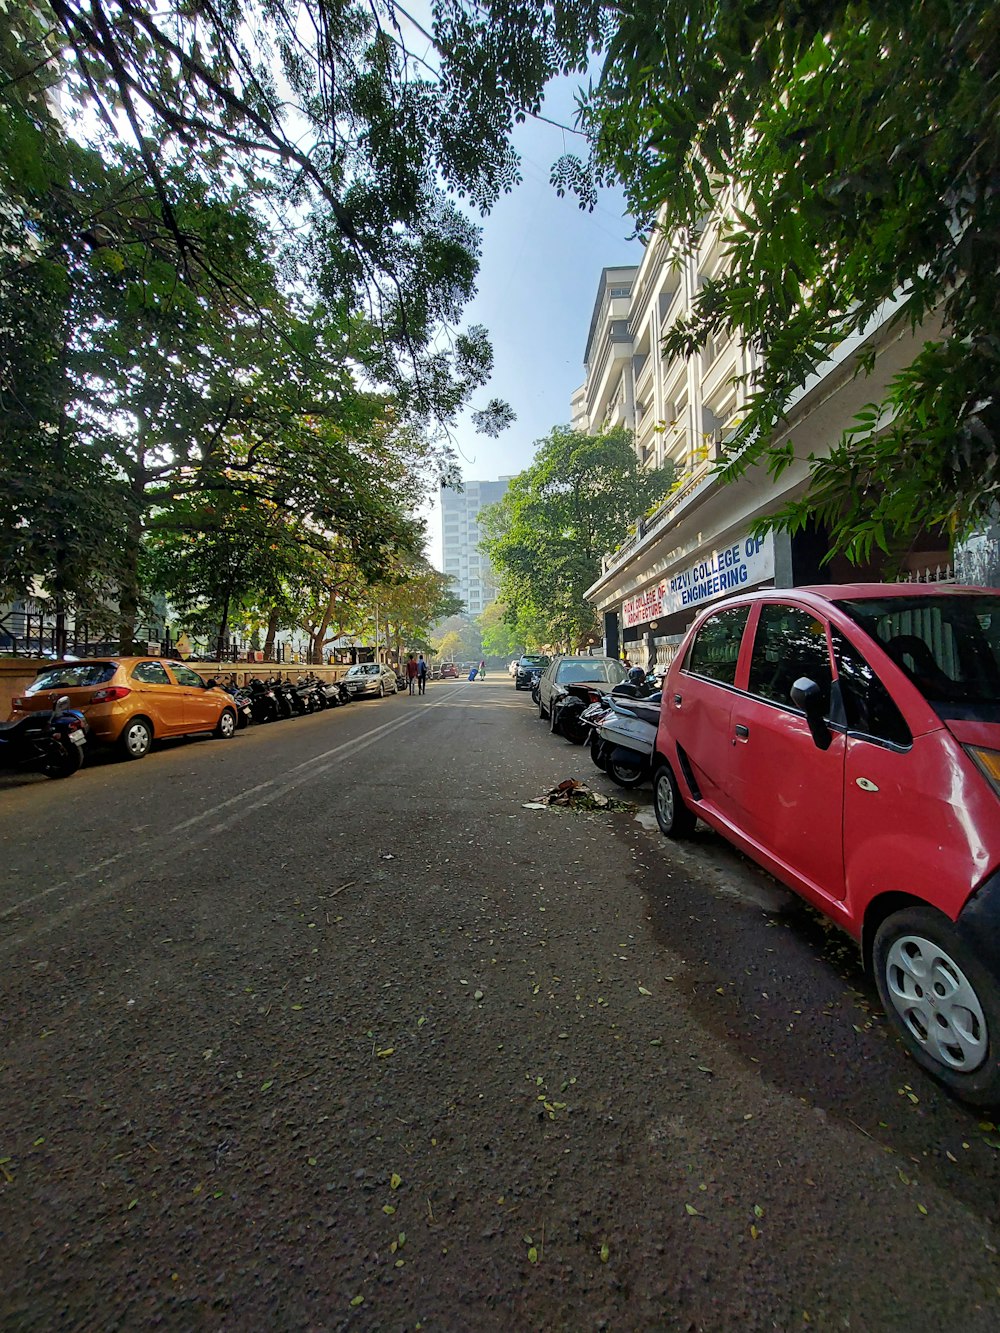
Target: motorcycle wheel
[(63, 761), (625, 775)]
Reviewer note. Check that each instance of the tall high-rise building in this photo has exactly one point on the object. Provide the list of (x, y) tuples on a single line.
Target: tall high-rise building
[(461, 535)]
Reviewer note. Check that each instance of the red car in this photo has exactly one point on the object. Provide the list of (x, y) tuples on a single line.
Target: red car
[(848, 739)]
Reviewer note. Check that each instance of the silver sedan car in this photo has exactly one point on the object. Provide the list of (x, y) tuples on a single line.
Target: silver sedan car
[(371, 678)]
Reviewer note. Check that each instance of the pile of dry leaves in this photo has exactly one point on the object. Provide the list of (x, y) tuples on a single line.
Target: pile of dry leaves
[(576, 796)]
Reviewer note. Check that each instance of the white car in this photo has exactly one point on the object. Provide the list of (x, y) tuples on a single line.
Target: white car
[(512, 667), (371, 678)]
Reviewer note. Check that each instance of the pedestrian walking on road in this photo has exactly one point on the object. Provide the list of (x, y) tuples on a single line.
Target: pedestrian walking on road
[(411, 672), (421, 673), (482, 669)]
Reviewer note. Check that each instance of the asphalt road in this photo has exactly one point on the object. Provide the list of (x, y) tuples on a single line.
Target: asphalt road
[(320, 1028)]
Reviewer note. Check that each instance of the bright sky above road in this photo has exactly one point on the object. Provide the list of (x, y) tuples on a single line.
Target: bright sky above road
[(541, 263)]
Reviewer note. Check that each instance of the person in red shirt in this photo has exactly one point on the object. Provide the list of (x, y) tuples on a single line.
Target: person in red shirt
[(411, 672)]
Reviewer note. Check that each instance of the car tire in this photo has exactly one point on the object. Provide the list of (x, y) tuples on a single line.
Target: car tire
[(555, 726), (942, 1002), (381, 689), (136, 738), (574, 730), (541, 710), (65, 760), (674, 817), (226, 727)]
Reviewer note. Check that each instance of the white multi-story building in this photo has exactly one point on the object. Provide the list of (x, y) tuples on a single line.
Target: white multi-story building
[(460, 537), (681, 409)]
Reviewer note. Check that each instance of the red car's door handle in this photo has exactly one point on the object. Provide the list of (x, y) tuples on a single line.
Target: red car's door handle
[(677, 700), (742, 732)]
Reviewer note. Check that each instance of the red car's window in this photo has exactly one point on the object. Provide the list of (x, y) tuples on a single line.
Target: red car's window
[(948, 645), (868, 707), (716, 647), (789, 643)]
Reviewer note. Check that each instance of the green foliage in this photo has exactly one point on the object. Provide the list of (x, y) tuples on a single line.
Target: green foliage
[(499, 637), (546, 537), (863, 140), (203, 306)]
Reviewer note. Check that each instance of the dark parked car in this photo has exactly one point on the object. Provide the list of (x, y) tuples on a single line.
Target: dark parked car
[(605, 672), (847, 738), (529, 669)]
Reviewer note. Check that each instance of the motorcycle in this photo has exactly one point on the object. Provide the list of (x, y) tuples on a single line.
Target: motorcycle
[(263, 701), (535, 677), (285, 697), (50, 741), (307, 699), (242, 699), (566, 715)]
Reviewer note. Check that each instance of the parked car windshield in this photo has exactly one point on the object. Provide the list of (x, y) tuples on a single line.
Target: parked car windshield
[(365, 669), (586, 668), (948, 645), (535, 660), (73, 676)]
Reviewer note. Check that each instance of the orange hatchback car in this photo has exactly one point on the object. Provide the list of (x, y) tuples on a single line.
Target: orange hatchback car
[(131, 701)]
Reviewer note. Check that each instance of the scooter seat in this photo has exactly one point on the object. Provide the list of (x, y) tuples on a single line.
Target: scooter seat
[(43, 715)]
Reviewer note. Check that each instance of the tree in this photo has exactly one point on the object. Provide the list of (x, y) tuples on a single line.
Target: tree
[(500, 638), (864, 138), (318, 111), (409, 606), (546, 537)]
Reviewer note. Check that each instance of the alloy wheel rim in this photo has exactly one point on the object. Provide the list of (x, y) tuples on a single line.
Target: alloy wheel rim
[(137, 741), (665, 801), (936, 1003)]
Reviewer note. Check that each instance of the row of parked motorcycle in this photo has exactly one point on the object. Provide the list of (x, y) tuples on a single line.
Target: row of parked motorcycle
[(272, 699), (619, 725)]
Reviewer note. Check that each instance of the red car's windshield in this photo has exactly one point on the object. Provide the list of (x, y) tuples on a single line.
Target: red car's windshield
[(948, 645)]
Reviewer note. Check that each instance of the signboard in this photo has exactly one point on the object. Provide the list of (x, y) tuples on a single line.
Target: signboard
[(740, 564)]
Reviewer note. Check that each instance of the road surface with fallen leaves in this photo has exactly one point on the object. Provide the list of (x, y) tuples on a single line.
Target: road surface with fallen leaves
[(322, 1028)]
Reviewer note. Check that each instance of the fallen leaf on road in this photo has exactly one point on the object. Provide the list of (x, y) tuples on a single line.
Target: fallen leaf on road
[(395, 1181), (691, 1210), (644, 991)]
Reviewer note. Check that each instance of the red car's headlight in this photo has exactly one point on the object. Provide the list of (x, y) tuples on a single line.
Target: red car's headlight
[(988, 763)]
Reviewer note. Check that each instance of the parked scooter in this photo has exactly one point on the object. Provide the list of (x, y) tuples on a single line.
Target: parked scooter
[(263, 701), (328, 693), (285, 697), (627, 736), (307, 698), (50, 741), (242, 700)]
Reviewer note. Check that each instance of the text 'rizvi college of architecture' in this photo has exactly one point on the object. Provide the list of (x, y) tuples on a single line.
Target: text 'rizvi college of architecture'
[(698, 545)]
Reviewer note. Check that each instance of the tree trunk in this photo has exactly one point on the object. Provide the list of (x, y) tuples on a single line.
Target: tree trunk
[(130, 596), (316, 639), (223, 625), (272, 631)]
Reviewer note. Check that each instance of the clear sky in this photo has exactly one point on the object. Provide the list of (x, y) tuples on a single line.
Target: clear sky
[(541, 263)]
